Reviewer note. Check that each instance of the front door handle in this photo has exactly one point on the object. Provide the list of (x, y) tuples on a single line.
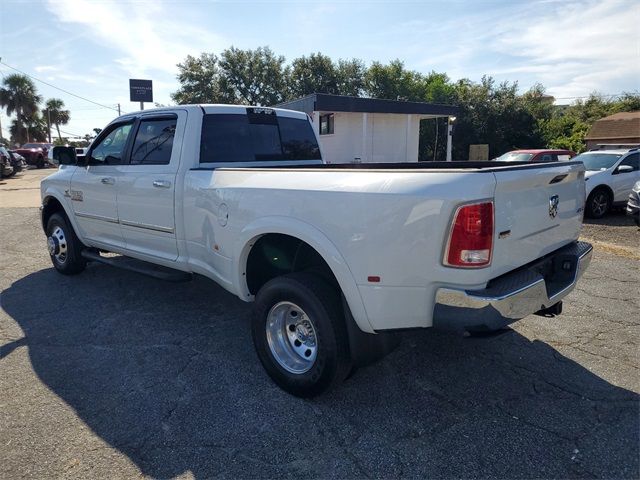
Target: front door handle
[(161, 183), (108, 180)]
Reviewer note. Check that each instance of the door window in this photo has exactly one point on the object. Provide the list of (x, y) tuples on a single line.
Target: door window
[(632, 160), (154, 141), (110, 149)]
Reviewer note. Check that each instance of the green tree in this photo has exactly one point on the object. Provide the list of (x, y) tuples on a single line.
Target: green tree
[(568, 125), (350, 77), (56, 114), (34, 124), (393, 82), (254, 77), (493, 114), (18, 95), (200, 81), (313, 74)]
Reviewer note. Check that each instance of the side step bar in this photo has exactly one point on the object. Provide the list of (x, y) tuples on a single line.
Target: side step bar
[(139, 266)]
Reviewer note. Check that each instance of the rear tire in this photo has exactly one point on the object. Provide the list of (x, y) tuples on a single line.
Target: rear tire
[(40, 162), (300, 335), (598, 203), (64, 246)]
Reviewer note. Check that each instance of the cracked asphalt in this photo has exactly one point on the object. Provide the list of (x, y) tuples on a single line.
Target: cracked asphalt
[(114, 375)]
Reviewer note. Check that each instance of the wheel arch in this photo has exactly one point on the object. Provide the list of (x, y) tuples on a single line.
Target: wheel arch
[(52, 203), (602, 186), (251, 236)]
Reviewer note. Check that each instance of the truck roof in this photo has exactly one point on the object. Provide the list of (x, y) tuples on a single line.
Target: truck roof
[(216, 108)]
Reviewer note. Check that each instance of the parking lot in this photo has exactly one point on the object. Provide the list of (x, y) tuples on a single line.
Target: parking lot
[(113, 374)]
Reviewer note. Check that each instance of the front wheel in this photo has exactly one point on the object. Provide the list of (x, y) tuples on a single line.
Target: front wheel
[(64, 246), (40, 162), (598, 203), (300, 335)]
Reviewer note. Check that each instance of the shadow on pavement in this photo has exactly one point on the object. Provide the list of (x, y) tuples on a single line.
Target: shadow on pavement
[(615, 218), (166, 374)]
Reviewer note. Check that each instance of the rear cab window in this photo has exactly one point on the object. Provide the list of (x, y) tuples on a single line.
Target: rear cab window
[(153, 143), (259, 135)]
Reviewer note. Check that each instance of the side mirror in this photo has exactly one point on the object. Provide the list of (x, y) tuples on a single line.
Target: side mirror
[(624, 169), (62, 155)]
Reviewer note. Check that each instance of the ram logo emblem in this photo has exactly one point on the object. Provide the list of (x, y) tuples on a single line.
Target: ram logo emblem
[(553, 205)]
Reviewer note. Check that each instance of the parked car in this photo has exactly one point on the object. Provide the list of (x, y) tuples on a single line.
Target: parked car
[(6, 170), (35, 153), (633, 204), (17, 161), (610, 176), (536, 156), (334, 256)]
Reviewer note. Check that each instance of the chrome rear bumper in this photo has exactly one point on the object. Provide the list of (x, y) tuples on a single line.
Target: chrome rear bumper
[(514, 295)]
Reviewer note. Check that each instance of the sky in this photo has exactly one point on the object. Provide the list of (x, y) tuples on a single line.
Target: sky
[(92, 47)]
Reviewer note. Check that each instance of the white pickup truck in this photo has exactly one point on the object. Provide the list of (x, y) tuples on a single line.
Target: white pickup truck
[(333, 256)]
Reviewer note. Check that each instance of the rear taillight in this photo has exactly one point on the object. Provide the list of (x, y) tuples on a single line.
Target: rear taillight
[(471, 238)]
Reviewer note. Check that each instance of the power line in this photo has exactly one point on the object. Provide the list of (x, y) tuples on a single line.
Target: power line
[(58, 88)]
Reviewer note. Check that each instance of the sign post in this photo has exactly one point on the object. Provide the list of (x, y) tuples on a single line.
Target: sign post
[(140, 91)]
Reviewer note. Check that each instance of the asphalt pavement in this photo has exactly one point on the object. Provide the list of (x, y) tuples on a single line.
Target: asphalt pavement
[(110, 374)]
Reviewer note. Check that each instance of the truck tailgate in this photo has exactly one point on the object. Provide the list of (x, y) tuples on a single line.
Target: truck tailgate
[(538, 209)]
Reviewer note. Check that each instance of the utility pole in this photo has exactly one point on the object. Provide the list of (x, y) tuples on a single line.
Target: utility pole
[(118, 109), (141, 105)]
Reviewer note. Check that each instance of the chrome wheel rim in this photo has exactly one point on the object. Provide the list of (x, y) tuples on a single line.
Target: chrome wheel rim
[(292, 337), (599, 204), (57, 245)]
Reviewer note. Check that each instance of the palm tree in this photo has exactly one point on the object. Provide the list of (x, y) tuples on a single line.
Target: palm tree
[(57, 116), (35, 124), (18, 95)]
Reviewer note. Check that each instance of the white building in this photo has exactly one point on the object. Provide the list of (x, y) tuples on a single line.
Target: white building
[(367, 130)]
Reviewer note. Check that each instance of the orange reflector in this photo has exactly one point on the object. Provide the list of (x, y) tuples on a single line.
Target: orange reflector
[(373, 278)]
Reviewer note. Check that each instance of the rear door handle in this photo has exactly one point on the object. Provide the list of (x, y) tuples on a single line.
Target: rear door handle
[(108, 180), (161, 183)]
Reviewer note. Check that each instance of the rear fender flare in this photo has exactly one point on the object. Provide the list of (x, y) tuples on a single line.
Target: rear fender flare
[(316, 239)]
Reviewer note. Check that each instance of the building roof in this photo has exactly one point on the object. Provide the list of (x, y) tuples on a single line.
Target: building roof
[(322, 102), (618, 125)]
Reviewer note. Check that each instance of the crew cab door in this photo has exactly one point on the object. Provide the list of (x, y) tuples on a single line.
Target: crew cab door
[(146, 193), (93, 187), (621, 181)]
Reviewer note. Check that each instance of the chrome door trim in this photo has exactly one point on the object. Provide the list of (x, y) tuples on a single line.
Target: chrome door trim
[(96, 217), (155, 228)]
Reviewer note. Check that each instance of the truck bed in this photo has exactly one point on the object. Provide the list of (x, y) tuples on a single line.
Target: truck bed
[(470, 166)]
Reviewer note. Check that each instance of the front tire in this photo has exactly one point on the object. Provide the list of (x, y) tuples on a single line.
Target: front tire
[(64, 246), (598, 203), (300, 335), (40, 162)]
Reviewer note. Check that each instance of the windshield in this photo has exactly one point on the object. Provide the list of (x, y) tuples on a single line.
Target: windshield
[(594, 162), (515, 157), (32, 145)]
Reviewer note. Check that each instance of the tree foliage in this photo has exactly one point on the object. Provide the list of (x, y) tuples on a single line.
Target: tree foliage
[(18, 95), (491, 113), (254, 77), (56, 114), (200, 81)]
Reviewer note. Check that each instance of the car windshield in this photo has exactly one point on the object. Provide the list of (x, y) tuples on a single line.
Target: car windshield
[(514, 157), (594, 162), (32, 145)]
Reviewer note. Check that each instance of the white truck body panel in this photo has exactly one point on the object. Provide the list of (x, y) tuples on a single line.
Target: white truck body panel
[(383, 222)]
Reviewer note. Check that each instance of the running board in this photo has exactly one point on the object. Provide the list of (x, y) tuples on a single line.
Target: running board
[(139, 266)]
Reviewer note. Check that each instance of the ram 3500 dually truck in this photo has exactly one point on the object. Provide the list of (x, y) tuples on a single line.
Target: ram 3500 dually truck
[(333, 256)]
